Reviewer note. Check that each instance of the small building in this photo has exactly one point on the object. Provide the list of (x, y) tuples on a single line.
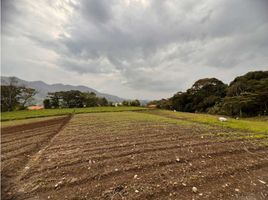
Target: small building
[(35, 107), (117, 104), (152, 106)]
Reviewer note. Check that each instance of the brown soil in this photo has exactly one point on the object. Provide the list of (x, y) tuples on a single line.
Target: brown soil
[(107, 156), (19, 144)]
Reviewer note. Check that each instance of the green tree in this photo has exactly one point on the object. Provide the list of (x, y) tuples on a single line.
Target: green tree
[(14, 96), (54, 99), (9, 97), (247, 95), (72, 99), (181, 102), (90, 99), (203, 95), (26, 96), (135, 103), (102, 101), (47, 104), (125, 103)]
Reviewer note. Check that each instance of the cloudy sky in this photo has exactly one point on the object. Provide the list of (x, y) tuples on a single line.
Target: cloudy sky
[(146, 49)]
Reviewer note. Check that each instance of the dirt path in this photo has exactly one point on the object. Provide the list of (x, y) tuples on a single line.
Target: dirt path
[(127, 156)]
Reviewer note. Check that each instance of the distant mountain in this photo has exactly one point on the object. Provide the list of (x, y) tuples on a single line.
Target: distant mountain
[(43, 89)]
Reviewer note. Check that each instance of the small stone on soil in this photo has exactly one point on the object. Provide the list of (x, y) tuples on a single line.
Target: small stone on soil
[(184, 184), (237, 190), (194, 189), (261, 181), (135, 176), (136, 191), (73, 180), (57, 184)]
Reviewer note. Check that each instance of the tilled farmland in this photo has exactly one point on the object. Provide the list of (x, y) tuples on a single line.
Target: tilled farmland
[(129, 155), (19, 144)]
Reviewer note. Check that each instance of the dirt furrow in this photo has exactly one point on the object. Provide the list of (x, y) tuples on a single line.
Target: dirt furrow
[(81, 159), (9, 180), (122, 156), (145, 170), (212, 179), (20, 136), (130, 167)]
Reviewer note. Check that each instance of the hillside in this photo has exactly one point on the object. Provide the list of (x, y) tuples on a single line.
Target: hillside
[(43, 89)]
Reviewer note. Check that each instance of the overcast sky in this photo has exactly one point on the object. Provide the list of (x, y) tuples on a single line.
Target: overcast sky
[(146, 49)]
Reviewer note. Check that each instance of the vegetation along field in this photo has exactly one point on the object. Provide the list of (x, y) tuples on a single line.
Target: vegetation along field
[(149, 154), (25, 114)]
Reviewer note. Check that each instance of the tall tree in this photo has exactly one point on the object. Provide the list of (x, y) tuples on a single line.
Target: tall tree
[(90, 99), (54, 99), (135, 103), (248, 93), (26, 95), (9, 97), (13, 96), (73, 99)]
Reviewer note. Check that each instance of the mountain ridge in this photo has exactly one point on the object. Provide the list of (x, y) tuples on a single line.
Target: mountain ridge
[(43, 89)]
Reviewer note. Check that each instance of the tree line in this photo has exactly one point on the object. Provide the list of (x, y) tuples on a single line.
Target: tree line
[(246, 95), (74, 99), (15, 97), (77, 99), (131, 103)]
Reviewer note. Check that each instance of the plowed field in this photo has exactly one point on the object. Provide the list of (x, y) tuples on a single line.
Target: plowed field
[(130, 155)]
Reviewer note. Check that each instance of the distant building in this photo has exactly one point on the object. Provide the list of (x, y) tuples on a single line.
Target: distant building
[(152, 106), (35, 107), (117, 104)]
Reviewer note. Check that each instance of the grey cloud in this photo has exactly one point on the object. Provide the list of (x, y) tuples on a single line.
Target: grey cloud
[(141, 39), (101, 65), (156, 46), (8, 10), (98, 11), (152, 85)]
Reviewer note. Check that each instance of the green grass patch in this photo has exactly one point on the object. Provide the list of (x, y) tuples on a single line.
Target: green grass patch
[(26, 114), (251, 129), (241, 124)]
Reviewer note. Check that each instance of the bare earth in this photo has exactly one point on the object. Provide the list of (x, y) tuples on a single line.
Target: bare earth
[(118, 156)]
